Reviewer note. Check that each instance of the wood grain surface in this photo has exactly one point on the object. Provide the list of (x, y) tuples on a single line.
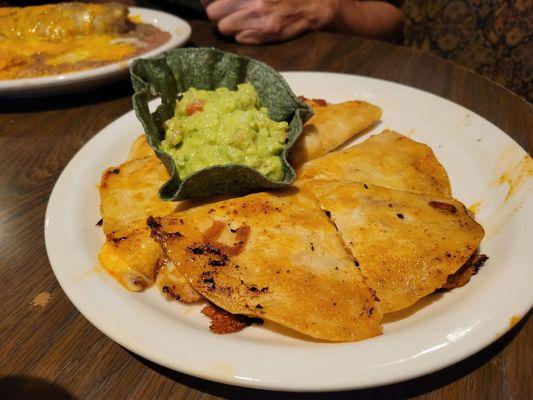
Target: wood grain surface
[(50, 351)]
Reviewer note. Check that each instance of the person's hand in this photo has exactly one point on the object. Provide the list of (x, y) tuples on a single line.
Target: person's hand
[(262, 21)]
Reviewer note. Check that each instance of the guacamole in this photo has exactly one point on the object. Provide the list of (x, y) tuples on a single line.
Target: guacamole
[(224, 127)]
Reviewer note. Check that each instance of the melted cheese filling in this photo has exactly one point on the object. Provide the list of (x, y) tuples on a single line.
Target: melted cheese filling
[(34, 56)]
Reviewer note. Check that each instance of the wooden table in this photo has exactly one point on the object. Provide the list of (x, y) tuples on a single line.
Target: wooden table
[(51, 352)]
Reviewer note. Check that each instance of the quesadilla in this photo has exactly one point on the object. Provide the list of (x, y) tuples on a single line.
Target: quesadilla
[(389, 160), (330, 126), (275, 256), (405, 244)]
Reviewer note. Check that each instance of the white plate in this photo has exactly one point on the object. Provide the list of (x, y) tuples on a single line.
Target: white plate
[(73, 81), (439, 331)]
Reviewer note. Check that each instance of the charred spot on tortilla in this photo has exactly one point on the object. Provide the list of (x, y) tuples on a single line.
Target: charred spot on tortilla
[(223, 322), (116, 240), (444, 207), (464, 274), (214, 254)]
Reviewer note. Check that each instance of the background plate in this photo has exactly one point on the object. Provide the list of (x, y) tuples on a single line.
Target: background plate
[(487, 169), (179, 30)]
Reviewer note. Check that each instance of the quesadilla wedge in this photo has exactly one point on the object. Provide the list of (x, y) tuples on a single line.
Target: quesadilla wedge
[(330, 126), (389, 160), (405, 244), (275, 256), (128, 195)]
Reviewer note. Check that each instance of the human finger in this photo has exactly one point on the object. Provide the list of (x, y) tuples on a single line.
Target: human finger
[(220, 9), (237, 22), (271, 33), (205, 3)]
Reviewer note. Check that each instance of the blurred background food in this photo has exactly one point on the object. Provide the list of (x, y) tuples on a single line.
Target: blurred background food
[(491, 37), (51, 39)]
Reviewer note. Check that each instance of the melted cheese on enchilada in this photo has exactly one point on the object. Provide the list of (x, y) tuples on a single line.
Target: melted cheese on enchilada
[(54, 39)]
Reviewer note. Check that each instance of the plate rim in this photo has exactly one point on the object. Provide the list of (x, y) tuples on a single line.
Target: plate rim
[(456, 357)]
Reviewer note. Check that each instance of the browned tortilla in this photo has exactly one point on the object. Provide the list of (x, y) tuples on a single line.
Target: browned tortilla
[(405, 244), (389, 160), (331, 126), (275, 256)]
